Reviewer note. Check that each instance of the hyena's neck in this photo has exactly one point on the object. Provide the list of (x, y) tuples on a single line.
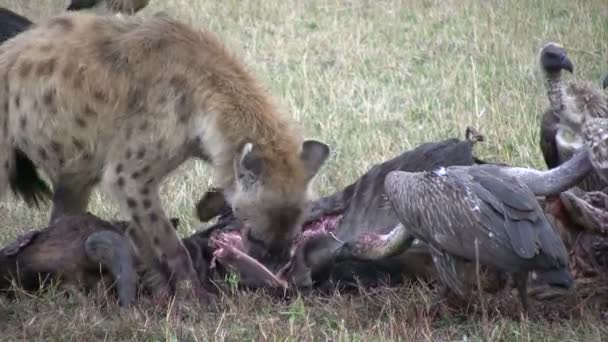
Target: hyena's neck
[(222, 137), (215, 147), (555, 89)]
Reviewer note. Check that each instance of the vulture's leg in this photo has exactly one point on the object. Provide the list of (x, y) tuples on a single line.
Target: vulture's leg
[(521, 281), (440, 296)]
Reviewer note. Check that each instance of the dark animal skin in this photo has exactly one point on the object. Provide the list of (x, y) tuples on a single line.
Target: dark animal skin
[(78, 251), (354, 237), (24, 179), (81, 250), (358, 212), (366, 211)]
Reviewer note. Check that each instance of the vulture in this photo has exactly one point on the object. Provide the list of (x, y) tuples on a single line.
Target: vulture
[(569, 104), (595, 136), (488, 214)]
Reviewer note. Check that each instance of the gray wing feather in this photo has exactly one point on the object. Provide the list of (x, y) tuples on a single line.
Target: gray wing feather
[(516, 204), (449, 270), (481, 220), (528, 230)]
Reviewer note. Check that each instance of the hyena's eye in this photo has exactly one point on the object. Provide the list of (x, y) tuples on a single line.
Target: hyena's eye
[(285, 218)]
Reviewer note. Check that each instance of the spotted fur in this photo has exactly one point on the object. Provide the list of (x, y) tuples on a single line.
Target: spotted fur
[(125, 101)]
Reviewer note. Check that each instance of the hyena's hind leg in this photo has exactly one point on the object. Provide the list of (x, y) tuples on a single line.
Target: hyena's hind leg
[(113, 252), (134, 184), (6, 150), (70, 198)]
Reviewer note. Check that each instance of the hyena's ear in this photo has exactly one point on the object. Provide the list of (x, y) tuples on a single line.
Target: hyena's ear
[(248, 167), (314, 154), (174, 222), (210, 205)]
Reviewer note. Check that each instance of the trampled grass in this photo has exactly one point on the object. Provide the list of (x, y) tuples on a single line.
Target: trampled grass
[(371, 78)]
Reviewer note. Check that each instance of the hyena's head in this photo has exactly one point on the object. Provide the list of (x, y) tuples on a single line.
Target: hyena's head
[(271, 198)]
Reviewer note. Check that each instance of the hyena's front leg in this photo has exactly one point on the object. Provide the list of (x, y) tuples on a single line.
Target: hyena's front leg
[(158, 245), (69, 198)]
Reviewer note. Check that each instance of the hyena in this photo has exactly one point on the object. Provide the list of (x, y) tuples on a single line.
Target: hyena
[(124, 101), (128, 7)]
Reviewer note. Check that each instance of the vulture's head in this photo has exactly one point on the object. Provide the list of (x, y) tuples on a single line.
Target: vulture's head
[(553, 58)]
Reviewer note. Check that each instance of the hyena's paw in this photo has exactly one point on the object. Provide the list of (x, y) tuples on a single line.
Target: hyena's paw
[(184, 279), (179, 265), (194, 293)]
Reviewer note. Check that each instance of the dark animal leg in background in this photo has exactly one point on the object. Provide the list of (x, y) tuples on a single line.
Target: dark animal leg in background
[(69, 200), (442, 294), (113, 252), (501, 280), (521, 281)]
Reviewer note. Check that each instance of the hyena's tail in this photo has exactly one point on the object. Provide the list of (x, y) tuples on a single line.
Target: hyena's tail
[(16, 168), (25, 181), (18, 172)]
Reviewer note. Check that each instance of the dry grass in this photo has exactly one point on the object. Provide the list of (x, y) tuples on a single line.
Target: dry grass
[(372, 78)]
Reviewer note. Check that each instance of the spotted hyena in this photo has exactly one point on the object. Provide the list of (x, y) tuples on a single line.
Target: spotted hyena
[(124, 101)]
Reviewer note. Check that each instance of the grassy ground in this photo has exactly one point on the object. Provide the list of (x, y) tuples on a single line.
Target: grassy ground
[(371, 78)]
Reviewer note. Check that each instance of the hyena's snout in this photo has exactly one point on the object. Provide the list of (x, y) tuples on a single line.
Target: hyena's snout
[(273, 254)]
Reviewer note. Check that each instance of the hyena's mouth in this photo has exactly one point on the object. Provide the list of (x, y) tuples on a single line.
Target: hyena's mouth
[(229, 251), (316, 246)]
